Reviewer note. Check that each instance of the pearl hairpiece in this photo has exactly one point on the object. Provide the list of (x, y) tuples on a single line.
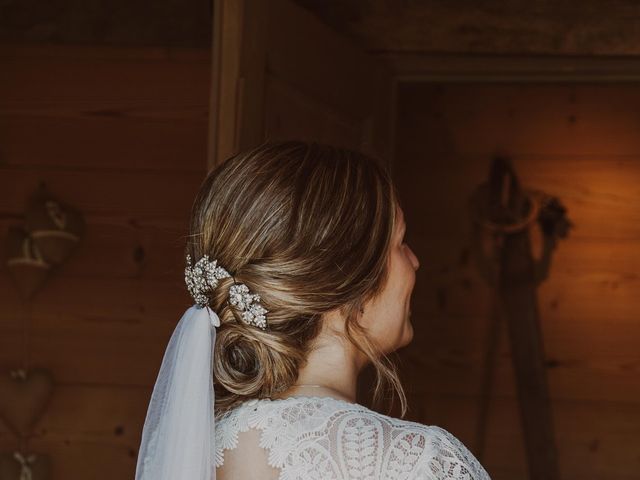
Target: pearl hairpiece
[(203, 277)]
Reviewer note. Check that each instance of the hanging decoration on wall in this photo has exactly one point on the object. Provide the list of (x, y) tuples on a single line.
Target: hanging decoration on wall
[(51, 232), (24, 396), (25, 262), (55, 228), (504, 214), (19, 466), (35, 250)]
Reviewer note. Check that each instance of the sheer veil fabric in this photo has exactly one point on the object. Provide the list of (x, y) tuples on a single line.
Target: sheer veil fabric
[(178, 437)]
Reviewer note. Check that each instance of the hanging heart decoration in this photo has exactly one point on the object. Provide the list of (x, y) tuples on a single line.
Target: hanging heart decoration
[(24, 466), (54, 227), (24, 396), (25, 262)]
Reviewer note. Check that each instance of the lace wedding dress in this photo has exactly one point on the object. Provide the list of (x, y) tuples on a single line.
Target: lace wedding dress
[(324, 438)]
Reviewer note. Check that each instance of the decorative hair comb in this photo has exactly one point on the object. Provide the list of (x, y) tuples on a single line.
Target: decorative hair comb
[(249, 303), (203, 277)]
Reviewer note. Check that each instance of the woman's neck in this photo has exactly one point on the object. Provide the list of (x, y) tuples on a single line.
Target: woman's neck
[(332, 368)]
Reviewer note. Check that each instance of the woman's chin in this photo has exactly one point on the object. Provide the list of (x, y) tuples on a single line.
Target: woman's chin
[(407, 335)]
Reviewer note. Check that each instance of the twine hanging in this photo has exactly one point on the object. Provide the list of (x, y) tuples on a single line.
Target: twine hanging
[(25, 465)]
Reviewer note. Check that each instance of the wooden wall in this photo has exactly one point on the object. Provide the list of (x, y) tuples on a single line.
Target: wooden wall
[(487, 27), (580, 143), (121, 134)]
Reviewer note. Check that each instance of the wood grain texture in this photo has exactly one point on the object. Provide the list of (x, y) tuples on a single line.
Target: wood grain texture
[(120, 134), (577, 142), (491, 26)]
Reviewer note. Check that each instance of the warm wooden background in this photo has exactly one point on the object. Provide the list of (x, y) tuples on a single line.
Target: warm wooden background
[(580, 143), (121, 134)]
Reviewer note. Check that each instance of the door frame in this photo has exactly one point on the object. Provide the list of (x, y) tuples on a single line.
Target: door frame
[(249, 50)]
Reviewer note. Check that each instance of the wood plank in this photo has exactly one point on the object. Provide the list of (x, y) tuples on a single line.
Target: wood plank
[(449, 256), (507, 31), (134, 97), (600, 194), (143, 306), (490, 68), (566, 296), (94, 412), (140, 194), (579, 366), (85, 359), (119, 247), (103, 52), (521, 118), (590, 334), (83, 81), (102, 140), (120, 342), (88, 459)]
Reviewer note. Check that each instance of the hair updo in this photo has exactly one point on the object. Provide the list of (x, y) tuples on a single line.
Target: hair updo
[(308, 227)]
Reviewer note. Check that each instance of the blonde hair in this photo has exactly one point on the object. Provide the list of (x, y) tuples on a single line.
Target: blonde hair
[(308, 227)]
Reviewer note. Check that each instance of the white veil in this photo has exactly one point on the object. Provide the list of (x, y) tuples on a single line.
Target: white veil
[(179, 434)]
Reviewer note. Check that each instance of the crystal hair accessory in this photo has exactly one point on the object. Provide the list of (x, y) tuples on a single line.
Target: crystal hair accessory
[(203, 277), (249, 304)]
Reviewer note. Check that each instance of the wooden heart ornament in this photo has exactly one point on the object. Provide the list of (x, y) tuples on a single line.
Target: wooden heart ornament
[(25, 262), (24, 396), (55, 228), (24, 466)]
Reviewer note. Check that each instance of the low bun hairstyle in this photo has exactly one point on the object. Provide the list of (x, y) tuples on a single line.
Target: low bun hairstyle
[(308, 227)]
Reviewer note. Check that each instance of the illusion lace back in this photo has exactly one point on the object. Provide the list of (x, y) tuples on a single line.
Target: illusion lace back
[(323, 438)]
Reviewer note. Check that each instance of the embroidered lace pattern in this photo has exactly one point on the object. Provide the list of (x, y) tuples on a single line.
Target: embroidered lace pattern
[(324, 438)]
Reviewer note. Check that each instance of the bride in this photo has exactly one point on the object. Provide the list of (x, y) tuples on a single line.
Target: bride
[(300, 276)]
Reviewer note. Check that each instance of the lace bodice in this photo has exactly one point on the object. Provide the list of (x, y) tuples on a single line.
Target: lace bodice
[(325, 438)]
